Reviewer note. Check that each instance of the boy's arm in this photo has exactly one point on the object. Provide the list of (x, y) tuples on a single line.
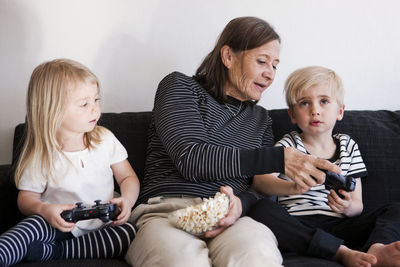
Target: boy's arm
[(270, 184), (351, 204), (129, 185)]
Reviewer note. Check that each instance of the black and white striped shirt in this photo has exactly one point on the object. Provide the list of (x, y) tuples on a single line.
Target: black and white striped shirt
[(197, 144), (315, 201)]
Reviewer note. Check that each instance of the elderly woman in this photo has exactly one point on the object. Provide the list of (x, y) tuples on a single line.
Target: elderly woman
[(207, 134)]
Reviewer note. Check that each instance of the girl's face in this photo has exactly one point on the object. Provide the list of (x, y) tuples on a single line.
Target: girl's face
[(251, 72), (82, 109)]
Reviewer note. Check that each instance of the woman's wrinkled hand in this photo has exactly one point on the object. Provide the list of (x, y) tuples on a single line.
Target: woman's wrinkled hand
[(235, 211), (305, 170)]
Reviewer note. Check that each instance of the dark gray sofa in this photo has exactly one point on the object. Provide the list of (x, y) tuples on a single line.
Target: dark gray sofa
[(376, 132)]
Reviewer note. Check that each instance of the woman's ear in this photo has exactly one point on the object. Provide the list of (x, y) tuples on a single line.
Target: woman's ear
[(341, 113), (226, 56), (291, 115)]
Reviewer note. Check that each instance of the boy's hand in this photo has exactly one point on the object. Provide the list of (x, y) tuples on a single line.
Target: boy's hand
[(338, 204), (298, 190), (52, 214), (125, 207)]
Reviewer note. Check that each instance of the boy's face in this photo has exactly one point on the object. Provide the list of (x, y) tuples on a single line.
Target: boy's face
[(316, 111)]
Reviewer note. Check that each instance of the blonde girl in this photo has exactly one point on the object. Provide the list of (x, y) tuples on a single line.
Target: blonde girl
[(67, 158)]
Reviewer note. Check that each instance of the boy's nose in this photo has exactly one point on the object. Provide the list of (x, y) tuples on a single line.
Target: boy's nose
[(314, 110)]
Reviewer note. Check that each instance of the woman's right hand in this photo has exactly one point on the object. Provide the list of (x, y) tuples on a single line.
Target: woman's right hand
[(305, 170), (52, 214)]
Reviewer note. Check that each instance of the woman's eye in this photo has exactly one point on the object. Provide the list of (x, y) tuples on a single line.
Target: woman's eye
[(261, 62)]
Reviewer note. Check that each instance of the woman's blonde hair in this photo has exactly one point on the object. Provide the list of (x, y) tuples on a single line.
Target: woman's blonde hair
[(45, 104), (304, 78)]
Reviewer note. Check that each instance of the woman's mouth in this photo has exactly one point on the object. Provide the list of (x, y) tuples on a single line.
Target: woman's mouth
[(260, 86)]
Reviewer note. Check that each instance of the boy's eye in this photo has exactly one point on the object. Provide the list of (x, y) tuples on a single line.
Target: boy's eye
[(324, 101), (303, 103)]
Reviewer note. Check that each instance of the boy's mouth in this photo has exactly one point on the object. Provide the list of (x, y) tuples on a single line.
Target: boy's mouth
[(315, 123)]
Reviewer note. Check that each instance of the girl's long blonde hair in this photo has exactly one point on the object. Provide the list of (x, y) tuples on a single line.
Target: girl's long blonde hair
[(45, 104)]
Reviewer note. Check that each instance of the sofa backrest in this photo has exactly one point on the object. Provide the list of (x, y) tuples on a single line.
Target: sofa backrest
[(377, 134)]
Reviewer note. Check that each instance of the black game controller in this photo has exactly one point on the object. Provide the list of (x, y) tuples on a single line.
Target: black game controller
[(104, 212), (337, 181)]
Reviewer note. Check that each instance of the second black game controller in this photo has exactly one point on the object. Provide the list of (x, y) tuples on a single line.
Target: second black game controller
[(104, 212), (337, 181)]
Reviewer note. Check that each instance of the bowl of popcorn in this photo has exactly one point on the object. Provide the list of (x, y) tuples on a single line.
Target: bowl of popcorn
[(200, 218)]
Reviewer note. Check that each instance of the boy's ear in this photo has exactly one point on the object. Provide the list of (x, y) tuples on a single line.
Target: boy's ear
[(292, 118), (226, 56), (341, 113)]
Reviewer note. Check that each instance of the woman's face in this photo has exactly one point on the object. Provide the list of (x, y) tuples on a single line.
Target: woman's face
[(251, 72)]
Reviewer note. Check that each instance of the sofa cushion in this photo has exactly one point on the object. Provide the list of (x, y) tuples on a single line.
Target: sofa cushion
[(378, 136)]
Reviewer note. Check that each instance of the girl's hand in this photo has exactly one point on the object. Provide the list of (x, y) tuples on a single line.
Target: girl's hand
[(52, 214), (338, 204), (235, 211), (125, 207)]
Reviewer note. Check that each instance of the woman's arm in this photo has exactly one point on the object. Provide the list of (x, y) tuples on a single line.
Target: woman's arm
[(29, 203), (129, 185)]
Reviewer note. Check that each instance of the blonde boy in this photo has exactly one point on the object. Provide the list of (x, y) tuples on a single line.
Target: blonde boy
[(312, 220)]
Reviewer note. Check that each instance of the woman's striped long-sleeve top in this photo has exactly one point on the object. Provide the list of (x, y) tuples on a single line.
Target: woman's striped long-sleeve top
[(197, 144)]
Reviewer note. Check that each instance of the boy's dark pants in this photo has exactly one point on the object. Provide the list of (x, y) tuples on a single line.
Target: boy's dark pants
[(321, 235)]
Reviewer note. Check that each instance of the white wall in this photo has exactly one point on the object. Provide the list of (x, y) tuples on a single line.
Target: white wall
[(131, 45)]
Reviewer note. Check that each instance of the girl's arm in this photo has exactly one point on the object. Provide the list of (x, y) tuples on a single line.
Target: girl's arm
[(29, 203), (129, 185), (271, 185), (351, 204)]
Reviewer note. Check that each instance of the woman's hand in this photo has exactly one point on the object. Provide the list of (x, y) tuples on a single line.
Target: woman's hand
[(304, 169), (52, 214), (235, 211), (125, 207)]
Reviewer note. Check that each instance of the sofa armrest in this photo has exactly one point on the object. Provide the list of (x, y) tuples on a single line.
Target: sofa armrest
[(8, 199)]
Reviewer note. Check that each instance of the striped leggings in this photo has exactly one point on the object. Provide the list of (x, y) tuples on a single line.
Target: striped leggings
[(33, 239)]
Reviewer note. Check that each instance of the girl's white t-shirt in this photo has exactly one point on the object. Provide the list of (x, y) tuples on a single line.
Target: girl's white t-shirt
[(82, 176)]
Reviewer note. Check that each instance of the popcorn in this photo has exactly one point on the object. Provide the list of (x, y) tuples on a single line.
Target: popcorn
[(203, 217)]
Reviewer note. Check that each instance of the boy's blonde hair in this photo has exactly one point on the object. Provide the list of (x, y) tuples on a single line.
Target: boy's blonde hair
[(46, 99), (304, 78)]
